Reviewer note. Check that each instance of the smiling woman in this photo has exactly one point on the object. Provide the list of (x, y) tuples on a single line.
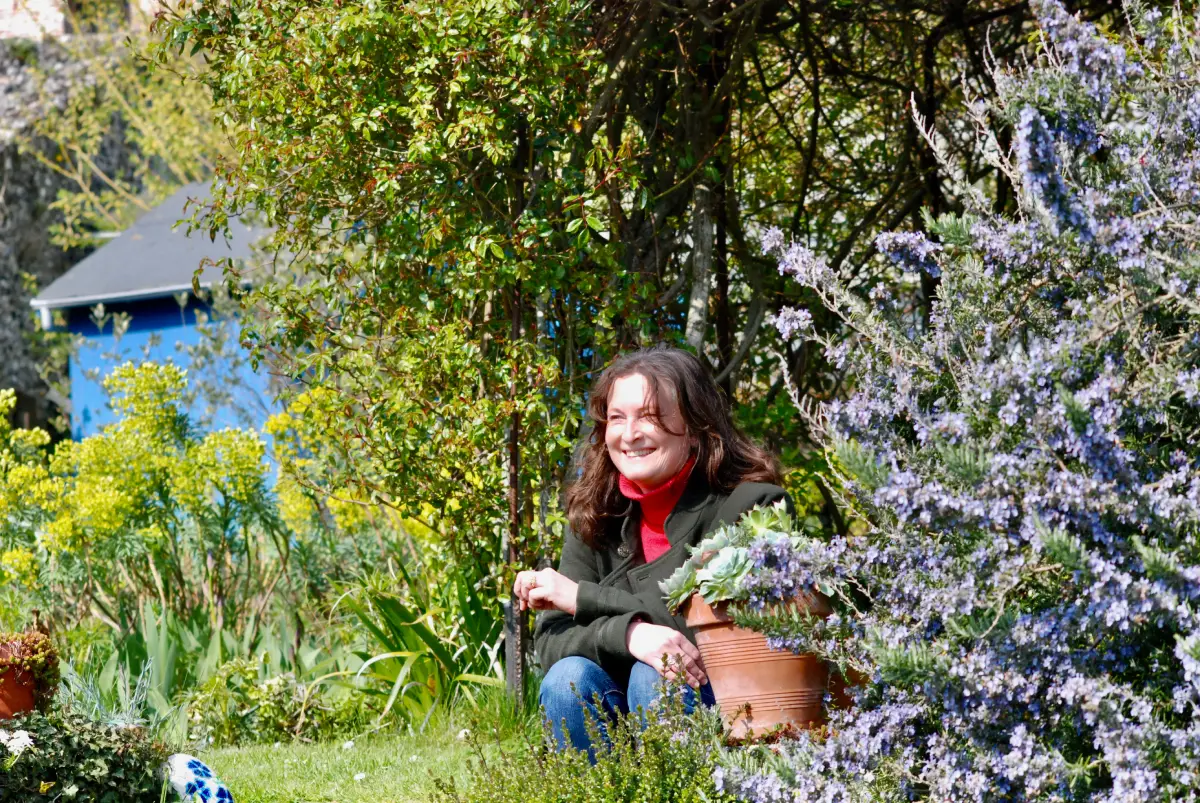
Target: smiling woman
[(665, 465)]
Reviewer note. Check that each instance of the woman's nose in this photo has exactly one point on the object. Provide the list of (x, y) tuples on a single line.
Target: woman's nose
[(635, 429)]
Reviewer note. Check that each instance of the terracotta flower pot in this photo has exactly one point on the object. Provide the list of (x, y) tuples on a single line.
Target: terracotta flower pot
[(758, 688), (16, 693)]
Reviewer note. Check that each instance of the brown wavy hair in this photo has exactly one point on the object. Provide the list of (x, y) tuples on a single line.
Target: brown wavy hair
[(724, 454)]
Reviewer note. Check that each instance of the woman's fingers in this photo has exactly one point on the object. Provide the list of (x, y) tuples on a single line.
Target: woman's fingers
[(681, 646), (681, 667), (687, 669), (540, 598), (529, 581), (526, 581), (695, 672)]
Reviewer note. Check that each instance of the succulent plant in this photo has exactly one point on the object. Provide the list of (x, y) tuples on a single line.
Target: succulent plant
[(719, 564)]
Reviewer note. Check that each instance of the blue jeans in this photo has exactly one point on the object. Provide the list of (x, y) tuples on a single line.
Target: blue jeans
[(572, 685)]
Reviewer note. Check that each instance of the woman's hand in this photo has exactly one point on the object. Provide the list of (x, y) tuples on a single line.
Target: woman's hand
[(546, 590), (649, 643)]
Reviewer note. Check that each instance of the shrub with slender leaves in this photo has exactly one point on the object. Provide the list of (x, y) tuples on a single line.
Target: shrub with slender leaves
[(433, 643), (671, 760), (239, 706), (1023, 604)]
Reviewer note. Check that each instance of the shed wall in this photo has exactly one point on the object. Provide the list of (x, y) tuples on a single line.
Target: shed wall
[(227, 391)]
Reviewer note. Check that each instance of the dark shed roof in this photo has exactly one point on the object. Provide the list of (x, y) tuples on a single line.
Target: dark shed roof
[(151, 258)]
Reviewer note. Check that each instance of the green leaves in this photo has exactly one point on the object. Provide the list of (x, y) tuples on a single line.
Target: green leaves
[(965, 462), (432, 646), (1159, 563), (414, 158), (950, 230), (861, 463), (909, 666), (720, 577), (1077, 412), (669, 759), (680, 586), (1063, 548), (73, 754), (417, 668), (983, 624)]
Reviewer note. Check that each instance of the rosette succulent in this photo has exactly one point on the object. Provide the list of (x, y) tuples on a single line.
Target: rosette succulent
[(720, 566), (721, 577)]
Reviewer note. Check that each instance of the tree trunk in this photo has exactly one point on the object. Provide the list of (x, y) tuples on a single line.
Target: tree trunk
[(702, 258), (516, 622)]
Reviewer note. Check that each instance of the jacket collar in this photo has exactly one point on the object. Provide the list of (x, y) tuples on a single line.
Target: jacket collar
[(687, 515)]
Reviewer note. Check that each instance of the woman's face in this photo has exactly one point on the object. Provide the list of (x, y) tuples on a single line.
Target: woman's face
[(641, 449)]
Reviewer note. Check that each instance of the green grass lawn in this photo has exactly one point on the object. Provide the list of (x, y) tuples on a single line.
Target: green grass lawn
[(382, 769)]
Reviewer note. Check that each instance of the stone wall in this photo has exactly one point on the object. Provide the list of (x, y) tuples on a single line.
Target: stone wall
[(27, 188), (35, 19), (31, 19)]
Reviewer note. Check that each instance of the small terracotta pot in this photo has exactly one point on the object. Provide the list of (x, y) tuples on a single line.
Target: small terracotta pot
[(16, 693), (758, 688)]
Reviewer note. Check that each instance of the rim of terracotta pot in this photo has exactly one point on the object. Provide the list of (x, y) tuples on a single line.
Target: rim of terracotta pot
[(698, 612)]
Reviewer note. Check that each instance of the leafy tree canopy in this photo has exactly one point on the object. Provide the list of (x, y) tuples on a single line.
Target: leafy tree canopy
[(478, 203)]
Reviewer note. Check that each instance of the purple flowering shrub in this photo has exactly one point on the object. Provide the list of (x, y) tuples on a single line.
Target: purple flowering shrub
[(1023, 602)]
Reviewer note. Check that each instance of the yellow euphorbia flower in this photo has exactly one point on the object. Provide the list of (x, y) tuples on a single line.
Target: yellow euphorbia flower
[(296, 508), (348, 512), (60, 534), (20, 565), (101, 507)]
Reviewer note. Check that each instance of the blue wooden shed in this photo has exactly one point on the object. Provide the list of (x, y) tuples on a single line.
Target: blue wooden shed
[(146, 273)]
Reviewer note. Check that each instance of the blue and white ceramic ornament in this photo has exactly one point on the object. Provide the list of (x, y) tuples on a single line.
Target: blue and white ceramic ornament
[(194, 782)]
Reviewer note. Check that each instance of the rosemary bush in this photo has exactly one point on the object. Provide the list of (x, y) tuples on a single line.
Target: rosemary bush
[(671, 760), (1023, 603)]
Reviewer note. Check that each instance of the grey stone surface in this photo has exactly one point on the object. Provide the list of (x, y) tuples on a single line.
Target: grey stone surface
[(27, 188), (31, 18)]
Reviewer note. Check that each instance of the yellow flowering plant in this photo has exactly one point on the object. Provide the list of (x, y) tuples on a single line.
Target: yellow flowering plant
[(147, 510)]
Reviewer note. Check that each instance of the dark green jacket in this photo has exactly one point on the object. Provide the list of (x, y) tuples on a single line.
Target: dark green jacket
[(616, 584)]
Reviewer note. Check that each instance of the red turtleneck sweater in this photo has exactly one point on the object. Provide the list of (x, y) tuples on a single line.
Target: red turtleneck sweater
[(656, 504)]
